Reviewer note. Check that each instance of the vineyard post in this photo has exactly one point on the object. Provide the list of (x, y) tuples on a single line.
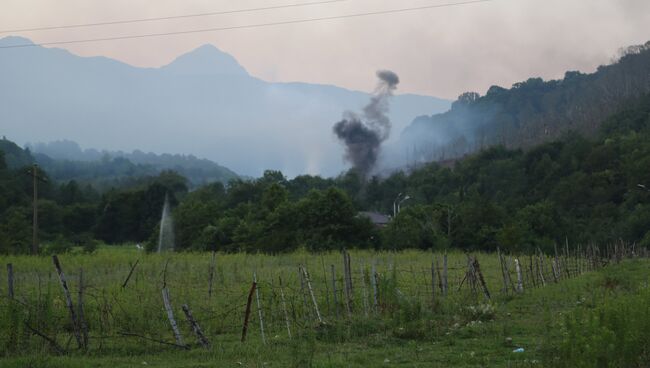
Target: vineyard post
[(364, 289), (566, 258), (195, 326), (313, 297), (305, 306), (327, 289), (558, 269), (247, 314), (128, 277), (503, 273), (336, 302), (520, 286), (433, 284), (211, 273), (477, 269), (10, 281), (533, 276), (68, 300), (80, 305), (259, 309), (284, 307), (541, 266), (347, 286), (375, 291), (170, 316), (444, 275)]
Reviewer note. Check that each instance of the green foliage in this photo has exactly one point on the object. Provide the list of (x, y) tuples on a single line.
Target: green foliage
[(583, 190), (616, 333)]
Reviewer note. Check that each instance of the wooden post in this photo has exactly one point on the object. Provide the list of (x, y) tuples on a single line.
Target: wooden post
[(533, 277), (364, 289), (347, 288), (128, 277), (313, 297), (305, 306), (35, 211), (433, 284), (80, 305), (558, 270), (170, 317), (51, 341), (439, 276), (541, 266), (10, 281), (506, 266), (566, 257), (195, 327), (327, 291), (211, 273), (259, 309), (336, 302), (470, 274), (375, 291), (520, 286), (68, 300), (503, 273), (579, 260), (444, 275), (477, 269), (247, 314), (284, 307)]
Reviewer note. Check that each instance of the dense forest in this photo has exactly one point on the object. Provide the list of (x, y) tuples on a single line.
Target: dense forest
[(531, 112), (576, 189)]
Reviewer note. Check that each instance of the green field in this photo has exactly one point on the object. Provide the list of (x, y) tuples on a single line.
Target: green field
[(577, 321)]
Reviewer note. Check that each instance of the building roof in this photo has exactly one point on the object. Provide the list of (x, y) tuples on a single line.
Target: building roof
[(376, 217)]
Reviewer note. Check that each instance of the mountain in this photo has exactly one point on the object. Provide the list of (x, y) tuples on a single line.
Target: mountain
[(531, 112), (65, 160), (204, 103)]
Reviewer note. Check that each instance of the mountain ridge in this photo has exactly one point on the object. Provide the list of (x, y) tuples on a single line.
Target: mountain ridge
[(241, 121)]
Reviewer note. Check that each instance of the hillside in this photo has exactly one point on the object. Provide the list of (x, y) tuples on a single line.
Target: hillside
[(14, 156), (531, 112), (65, 160), (203, 103)]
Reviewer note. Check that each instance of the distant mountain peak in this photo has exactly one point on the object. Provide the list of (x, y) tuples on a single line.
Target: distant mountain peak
[(15, 41), (206, 60)]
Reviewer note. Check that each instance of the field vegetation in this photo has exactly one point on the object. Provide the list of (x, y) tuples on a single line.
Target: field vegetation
[(596, 314)]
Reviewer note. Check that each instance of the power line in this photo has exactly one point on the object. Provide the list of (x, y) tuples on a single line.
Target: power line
[(258, 25), (247, 10)]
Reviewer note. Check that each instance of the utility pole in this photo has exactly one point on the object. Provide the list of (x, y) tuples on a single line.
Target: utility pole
[(35, 177)]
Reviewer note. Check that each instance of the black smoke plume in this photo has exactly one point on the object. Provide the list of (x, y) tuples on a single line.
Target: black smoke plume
[(363, 135)]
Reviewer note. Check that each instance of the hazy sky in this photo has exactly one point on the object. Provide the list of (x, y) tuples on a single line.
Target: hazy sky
[(440, 52)]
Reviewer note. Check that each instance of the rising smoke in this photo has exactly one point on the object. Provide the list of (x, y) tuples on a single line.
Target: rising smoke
[(363, 135)]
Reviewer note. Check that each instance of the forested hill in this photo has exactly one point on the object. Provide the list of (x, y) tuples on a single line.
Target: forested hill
[(531, 112), (65, 161), (15, 156), (583, 190)]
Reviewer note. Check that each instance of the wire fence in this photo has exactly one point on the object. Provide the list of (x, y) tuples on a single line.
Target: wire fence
[(276, 299)]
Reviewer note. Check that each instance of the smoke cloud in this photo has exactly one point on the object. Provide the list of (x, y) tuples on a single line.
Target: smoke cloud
[(363, 135)]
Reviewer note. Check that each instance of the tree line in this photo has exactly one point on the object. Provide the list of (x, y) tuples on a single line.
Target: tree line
[(575, 189)]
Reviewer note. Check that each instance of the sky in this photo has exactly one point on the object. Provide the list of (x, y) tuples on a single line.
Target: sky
[(439, 52)]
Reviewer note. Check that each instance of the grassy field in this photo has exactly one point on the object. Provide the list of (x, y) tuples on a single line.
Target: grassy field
[(411, 325)]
